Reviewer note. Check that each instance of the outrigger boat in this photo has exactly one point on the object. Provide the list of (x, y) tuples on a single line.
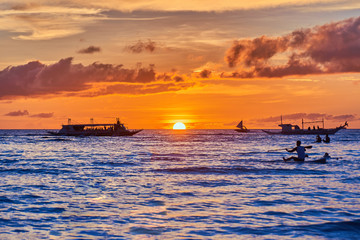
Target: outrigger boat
[(290, 129), (103, 129), (241, 128)]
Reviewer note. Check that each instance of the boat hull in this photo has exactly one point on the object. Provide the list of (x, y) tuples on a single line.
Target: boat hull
[(305, 132), (242, 130), (96, 133)]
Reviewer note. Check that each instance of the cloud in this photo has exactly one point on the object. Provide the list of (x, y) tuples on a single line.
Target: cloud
[(47, 19), (205, 73), (90, 50), (136, 89), (330, 48), (37, 79), (17, 113), (43, 21), (42, 115), (210, 5), (26, 113), (141, 46)]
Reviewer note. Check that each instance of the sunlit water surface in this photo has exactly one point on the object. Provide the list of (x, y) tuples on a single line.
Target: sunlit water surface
[(166, 184)]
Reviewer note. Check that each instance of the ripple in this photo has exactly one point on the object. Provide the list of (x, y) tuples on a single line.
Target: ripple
[(208, 184)]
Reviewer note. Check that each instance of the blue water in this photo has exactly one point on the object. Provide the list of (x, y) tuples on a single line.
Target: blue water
[(161, 184)]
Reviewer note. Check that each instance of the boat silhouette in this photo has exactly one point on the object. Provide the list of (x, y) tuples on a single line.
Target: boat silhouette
[(102, 129), (241, 128), (290, 129)]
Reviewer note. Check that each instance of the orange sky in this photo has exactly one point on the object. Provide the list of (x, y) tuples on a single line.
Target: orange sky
[(204, 63)]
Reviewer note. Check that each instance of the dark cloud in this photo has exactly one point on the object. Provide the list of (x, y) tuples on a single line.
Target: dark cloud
[(309, 117), (17, 113), (205, 73), (43, 115), (90, 50), (331, 48), (178, 79), (141, 46), (24, 6), (36, 78), (166, 77)]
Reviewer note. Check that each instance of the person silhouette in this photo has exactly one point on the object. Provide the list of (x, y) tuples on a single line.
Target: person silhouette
[(300, 152), (326, 139), (318, 139)]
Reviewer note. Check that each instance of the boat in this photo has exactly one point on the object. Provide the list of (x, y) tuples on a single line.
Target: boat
[(102, 129), (241, 128), (290, 129)]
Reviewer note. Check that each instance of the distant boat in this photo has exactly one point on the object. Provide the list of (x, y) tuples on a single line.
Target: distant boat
[(290, 129), (103, 129), (241, 128)]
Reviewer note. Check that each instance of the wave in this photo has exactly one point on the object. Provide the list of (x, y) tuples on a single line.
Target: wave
[(44, 210), (210, 183), (4, 199), (51, 171), (51, 139), (240, 170), (114, 164), (335, 230)]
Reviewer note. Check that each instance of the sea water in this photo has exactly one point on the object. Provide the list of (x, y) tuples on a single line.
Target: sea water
[(165, 184)]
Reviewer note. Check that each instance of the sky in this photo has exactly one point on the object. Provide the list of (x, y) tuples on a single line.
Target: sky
[(208, 64)]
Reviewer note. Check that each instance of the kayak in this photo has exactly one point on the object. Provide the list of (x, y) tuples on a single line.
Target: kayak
[(321, 160)]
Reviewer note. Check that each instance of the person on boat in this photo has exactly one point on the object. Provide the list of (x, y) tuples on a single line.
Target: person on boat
[(300, 152), (318, 139), (326, 139)]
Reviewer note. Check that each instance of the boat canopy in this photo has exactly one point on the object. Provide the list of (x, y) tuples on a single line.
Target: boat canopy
[(90, 125)]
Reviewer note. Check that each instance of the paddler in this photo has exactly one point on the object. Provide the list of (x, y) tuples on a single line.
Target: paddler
[(300, 152), (326, 139)]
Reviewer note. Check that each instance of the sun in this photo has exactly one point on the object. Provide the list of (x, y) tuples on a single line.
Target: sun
[(179, 126)]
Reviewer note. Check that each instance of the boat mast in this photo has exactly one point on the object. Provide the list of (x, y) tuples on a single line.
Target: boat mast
[(302, 122)]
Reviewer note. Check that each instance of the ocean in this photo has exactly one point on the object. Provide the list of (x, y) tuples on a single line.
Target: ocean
[(166, 184)]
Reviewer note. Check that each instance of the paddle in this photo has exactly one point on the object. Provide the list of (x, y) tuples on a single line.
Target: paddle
[(274, 150)]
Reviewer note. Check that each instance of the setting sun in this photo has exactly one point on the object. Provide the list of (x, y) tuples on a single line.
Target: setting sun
[(179, 126)]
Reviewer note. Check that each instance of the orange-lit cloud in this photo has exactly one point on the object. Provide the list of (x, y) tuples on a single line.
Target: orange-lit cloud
[(17, 113), (137, 89), (310, 116), (141, 46), (200, 5), (90, 50), (42, 115), (36, 79), (205, 73), (20, 113), (331, 48)]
